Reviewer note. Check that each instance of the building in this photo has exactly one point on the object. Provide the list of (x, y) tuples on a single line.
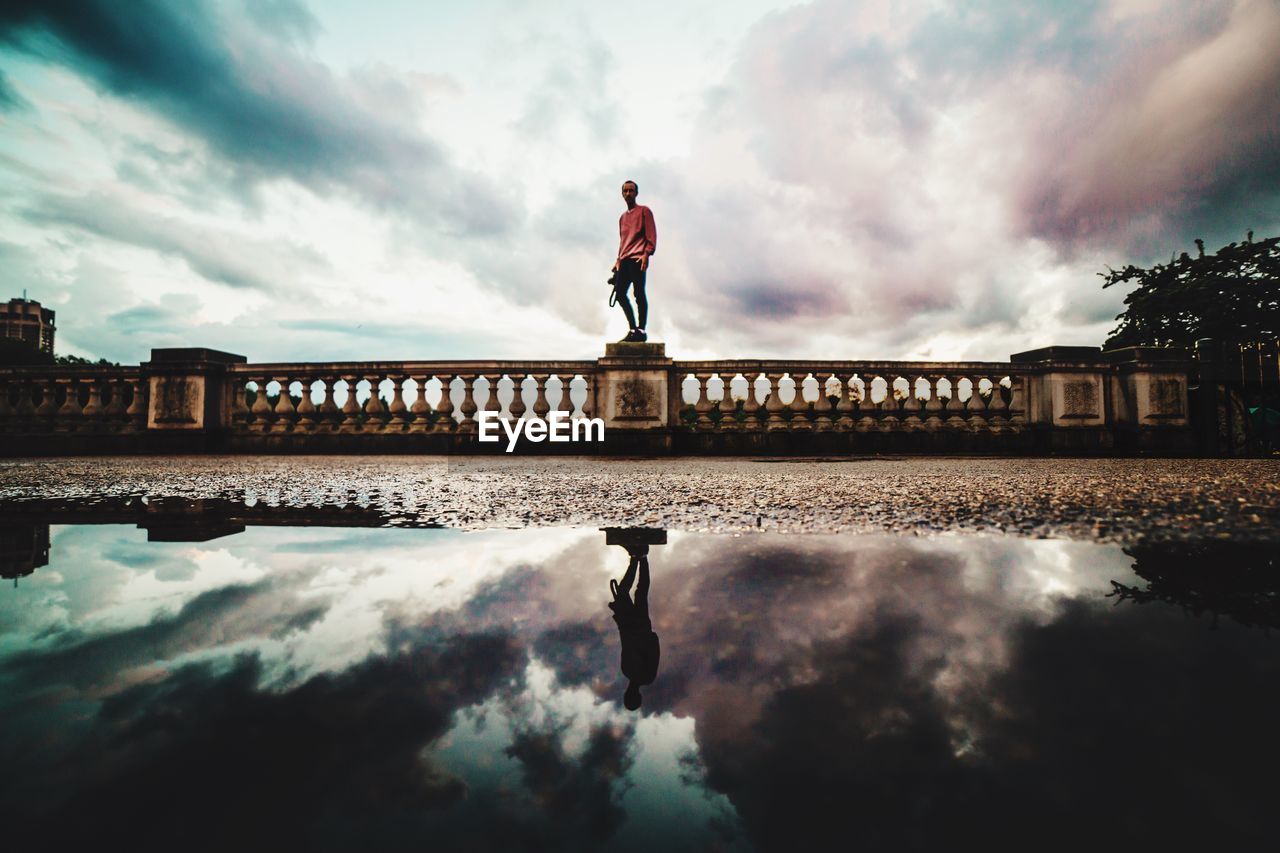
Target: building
[(23, 549), (25, 320)]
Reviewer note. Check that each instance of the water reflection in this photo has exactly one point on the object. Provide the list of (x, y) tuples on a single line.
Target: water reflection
[(640, 647), (328, 687), (1240, 580)]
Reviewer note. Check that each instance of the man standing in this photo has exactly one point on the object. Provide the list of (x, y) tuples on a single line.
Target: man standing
[(638, 240)]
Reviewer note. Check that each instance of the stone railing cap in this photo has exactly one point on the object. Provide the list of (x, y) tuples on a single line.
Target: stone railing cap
[(1147, 354), (1057, 354), (635, 350), (170, 355)]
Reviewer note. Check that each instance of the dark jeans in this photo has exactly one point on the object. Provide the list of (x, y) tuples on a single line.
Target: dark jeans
[(629, 273)]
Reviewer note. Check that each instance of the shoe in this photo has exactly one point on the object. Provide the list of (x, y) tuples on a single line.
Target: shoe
[(630, 338), (641, 337)]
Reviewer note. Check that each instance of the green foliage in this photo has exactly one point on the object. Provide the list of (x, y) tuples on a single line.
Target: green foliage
[(14, 352), (1232, 295)]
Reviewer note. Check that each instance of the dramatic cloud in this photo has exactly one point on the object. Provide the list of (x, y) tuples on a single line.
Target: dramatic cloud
[(257, 100), (236, 260), (9, 98), (830, 179), (874, 176), (1179, 136)]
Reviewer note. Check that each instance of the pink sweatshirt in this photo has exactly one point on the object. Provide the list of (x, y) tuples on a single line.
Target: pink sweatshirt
[(639, 236)]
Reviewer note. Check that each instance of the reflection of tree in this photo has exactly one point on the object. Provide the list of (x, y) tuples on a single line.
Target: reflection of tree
[(1236, 579)]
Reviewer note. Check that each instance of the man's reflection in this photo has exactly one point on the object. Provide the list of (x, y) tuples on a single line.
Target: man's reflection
[(639, 642)]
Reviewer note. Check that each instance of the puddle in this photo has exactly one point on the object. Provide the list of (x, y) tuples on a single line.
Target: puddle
[(325, 687)]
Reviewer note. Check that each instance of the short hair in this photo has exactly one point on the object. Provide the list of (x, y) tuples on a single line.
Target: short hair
[(633, 183)]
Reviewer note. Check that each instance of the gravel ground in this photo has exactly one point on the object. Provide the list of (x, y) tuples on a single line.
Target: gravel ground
[(1102, 499)]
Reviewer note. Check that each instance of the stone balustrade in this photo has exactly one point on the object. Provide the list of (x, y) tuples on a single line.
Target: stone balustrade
[(401, 397), (86, 400), (850, 396), (198, 400)]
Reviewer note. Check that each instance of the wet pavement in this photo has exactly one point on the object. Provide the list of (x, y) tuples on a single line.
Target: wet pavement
[(1113, 500)]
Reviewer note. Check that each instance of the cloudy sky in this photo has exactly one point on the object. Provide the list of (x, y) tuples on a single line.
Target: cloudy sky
[(325, 180)]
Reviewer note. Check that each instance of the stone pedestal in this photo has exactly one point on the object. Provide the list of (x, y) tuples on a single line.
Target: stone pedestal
[(1150, 409), (186, 393), (1067, 398), (632, 394)]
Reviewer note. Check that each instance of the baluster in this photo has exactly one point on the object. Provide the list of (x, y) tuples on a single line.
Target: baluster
[(240, 414), (375, 410), (284, 410), (584, 411), (728, 408), (976, 403), (802, 419), (824, 406), (350, 406), (996, 406), (492, 403), (262, 414), (702, 408), (48, 407), (563, 400), (844, 403), (751, 406), (891, 406), (932, 405), (468, 407), (306, 408), (420, 411), (577, 411), (911, 403), (137, 411), (444, 421), (68, 416), (398, 408), (1017, 414), (773, 403), (92, 416), (26, 406), (329, 415), (517, 407), (955, 409), (911, 407), (541, 405)]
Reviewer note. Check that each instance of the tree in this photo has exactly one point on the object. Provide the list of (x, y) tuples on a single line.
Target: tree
[(1232, 295)]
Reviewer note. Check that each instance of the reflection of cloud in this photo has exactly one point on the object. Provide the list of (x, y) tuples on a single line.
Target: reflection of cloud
[(333, 762), (840, 690), (575, 795), (229, 614)]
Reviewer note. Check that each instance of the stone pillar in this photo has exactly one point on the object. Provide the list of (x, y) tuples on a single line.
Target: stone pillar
[(189, 398), (1150, 410), (1067, 394), (632, 388)]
